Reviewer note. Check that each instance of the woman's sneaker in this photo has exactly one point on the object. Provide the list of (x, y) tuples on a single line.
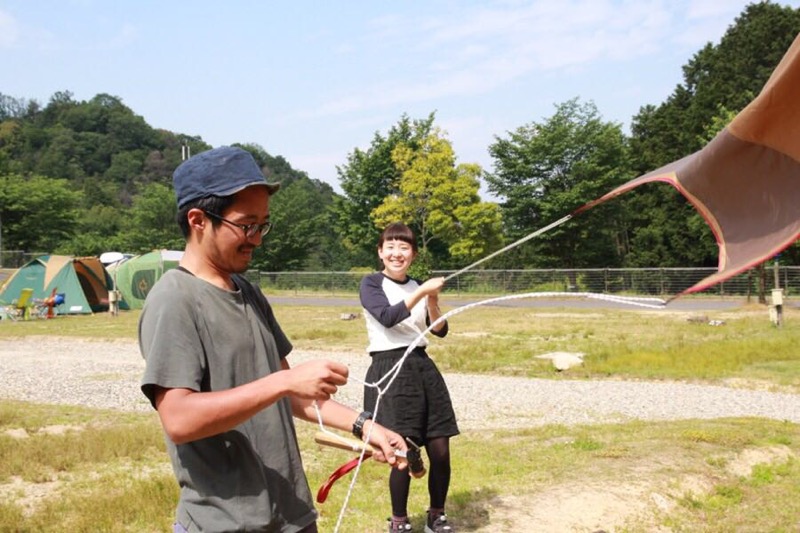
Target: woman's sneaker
[(439, 525), (405, 527)]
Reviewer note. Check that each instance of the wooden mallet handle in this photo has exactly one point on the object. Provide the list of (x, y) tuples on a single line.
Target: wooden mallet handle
[(343, 443), (354, 445)]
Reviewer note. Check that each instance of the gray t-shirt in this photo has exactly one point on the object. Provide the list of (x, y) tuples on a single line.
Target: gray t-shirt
[(195, 335)]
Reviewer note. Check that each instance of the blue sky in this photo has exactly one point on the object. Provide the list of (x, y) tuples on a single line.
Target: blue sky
[(311, 81)]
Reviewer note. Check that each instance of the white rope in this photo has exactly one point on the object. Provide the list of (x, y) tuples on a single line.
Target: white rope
[(651, 303)]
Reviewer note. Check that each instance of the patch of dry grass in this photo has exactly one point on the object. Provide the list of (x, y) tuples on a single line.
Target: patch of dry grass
[(114, 476)]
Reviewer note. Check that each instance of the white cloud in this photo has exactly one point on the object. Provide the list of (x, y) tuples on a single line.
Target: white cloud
[(18, 35), (474, 51), (9, 30)]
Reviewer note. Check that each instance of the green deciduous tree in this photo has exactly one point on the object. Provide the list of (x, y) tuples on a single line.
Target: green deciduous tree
[(97, 230), (546, 170), (151, 222), (731, 73), (301, 214), (37, 212), (440, 201), (12, 108), (300, 217), (367, 178)]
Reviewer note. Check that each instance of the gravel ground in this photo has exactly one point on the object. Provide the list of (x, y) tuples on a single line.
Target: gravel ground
[(106, 374)]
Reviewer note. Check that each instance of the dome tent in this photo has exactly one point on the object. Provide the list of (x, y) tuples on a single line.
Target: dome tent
[(83, 281), (135, 276)]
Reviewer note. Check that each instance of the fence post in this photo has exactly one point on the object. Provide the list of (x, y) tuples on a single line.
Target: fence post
[(777, 274), (786, 280)]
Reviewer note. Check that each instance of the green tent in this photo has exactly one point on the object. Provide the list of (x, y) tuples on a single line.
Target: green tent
[(83, 281), (135, 276)]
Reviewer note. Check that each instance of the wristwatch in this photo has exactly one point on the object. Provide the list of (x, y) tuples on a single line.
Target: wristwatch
[(358, 425)]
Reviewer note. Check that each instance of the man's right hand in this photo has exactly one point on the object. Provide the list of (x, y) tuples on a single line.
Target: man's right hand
[(317, 380)]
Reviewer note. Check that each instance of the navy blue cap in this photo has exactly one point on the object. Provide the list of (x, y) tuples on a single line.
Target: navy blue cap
[(220, 171)]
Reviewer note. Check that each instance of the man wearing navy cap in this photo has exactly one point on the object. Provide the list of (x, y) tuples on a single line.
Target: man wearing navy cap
[(216, 367)]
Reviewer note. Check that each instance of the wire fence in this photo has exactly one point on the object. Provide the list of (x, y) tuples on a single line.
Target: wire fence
[(16, 258), (640, 281), (662, 282)]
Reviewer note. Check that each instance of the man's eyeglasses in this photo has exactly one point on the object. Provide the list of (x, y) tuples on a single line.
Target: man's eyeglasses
[(250, 230)]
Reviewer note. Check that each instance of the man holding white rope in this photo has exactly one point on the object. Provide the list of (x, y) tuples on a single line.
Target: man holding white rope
[(217, 370)]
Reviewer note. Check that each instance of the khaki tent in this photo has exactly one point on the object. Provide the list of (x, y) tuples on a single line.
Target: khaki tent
[(83, 281)]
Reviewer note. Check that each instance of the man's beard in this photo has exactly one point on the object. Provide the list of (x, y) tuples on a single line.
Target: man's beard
[(246, 266)]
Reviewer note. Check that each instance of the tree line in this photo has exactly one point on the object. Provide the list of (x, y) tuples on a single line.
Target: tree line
[(85, 177)]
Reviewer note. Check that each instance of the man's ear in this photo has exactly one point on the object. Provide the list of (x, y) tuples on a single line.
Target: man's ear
[(197, 219)]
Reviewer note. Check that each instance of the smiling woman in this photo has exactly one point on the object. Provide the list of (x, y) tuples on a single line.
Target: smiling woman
[(406, 391)]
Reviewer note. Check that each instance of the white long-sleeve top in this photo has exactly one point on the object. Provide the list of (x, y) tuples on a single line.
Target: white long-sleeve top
[(390, 324)]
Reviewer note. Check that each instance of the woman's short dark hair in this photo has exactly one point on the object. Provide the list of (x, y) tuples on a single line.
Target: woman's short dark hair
[(211, 204), (398, 232)]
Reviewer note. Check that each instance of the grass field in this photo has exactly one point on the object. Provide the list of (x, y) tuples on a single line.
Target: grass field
[(77, 469)]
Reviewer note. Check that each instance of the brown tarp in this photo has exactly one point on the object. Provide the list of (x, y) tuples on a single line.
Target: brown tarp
[(746, 181)]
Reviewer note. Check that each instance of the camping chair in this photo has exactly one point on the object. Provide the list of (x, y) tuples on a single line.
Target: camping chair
[(21, 307), (48, 307)]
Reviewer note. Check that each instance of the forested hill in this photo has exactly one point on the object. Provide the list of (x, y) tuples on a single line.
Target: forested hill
[(85, 177)]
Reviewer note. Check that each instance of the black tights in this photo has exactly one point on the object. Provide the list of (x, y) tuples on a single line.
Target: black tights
[(438, 451)]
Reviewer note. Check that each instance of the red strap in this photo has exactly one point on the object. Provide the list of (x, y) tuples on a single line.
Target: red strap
[(322, 494)]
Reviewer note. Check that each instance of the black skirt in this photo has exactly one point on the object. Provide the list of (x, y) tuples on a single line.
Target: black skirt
[(417, 404)]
